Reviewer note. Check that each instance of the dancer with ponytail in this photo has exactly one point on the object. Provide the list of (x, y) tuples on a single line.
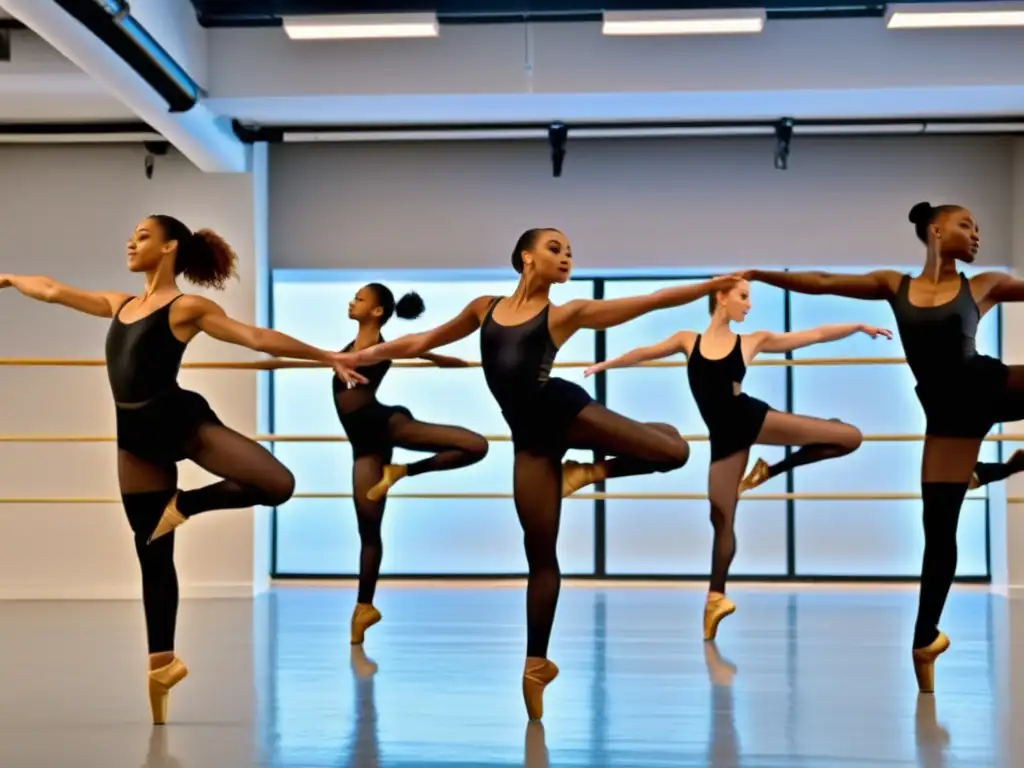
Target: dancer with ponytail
[(160, 424), (963, 393), (718, 360), (375, 430), (519, 338)]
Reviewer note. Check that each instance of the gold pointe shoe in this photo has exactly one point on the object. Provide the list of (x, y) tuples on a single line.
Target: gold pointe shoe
[(161, 680), (974, 482), (714, 612), (575, 476), (924, 662), (537, 674), (169, 520), (757, 475), (391, 474), (363, 617)]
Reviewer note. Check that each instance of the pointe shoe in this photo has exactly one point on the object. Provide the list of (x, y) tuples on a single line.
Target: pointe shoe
[(161, 680), (576, 475), (169, 520), (391, 474), (924, 662), (714, 612), (755, 477), (536, 675), (363, 617)]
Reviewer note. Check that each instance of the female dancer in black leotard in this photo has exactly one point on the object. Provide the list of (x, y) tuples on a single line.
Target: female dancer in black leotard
[(519, 338), (718, 361), (964, 394), (375, 430), (159, 424)]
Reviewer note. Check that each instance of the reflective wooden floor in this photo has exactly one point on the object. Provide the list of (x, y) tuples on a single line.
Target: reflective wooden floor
[(815, 676)]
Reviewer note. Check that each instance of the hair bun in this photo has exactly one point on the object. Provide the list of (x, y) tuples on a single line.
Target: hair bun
[(410, 306), (921, 213)]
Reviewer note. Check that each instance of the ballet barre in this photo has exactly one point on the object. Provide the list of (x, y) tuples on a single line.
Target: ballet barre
[(275, 438), (276, 363), (895, 496)]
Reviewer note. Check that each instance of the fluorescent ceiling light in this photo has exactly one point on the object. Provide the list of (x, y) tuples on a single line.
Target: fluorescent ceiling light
[(722, 21), (954, 15), (361, 26)]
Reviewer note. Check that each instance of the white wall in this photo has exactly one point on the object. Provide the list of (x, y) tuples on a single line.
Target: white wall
[(630, 203), (67, 212)]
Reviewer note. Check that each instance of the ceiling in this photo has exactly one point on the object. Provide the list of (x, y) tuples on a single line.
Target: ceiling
[(228, 13)]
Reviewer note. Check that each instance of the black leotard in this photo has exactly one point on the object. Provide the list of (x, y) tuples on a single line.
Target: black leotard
[(517, 362), (733, 418), (156, 419), (362, 416), (962, 392)]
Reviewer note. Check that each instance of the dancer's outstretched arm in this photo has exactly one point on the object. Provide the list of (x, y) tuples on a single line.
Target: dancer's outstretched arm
[(96, 303), (415, 345), (767, 341), (677, 342), (444, 361), (879, 285), (991, 288), (600, 314)]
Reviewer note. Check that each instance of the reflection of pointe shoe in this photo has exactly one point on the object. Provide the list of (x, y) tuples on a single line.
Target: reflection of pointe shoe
[(924, 662), (169, 520), (715, 610), (576, 475), (363, 667), (720, 671), (158, 755), (755, 477), (536, 676), (536, 750), (392, 474), (161, 680), (926, 724), (363, 617)]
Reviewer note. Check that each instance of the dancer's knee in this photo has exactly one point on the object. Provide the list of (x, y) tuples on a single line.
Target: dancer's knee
[(676, 453), (851, 438), (541, 553), (278, 487), (475, 447)]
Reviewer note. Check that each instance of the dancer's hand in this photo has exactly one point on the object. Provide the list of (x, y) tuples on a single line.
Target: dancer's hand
[(587, 372), (874, 332), (5, 281), (344, 368)]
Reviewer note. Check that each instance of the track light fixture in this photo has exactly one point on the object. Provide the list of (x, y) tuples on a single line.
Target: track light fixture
[(558, 135), (783, 135)]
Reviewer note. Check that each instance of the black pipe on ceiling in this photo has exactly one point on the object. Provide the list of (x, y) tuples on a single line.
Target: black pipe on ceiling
[(111, 22)]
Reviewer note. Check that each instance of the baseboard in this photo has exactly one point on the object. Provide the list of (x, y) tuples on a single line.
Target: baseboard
[(215, 591)]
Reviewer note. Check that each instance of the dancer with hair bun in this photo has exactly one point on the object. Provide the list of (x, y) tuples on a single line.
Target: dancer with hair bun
[(520, 336), (718, 360), (375, 430), (963, 393), (160, 424)]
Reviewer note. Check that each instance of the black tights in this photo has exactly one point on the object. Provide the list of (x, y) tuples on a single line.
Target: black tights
[(453, 447), (724, 478), (946, 468), (252, 476), (638, 449)]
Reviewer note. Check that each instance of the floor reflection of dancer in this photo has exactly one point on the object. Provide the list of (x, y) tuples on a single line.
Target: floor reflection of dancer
[(374, 430), (963, 393), (718, 360), (724, 744), (519, 338), (160, 424), (364, 750)]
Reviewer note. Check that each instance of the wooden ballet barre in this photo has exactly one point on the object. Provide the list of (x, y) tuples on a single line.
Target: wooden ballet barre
[(580, 496), (277, 363), (272, 438)]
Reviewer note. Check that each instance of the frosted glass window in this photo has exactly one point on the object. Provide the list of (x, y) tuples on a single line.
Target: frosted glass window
[(431, 535)]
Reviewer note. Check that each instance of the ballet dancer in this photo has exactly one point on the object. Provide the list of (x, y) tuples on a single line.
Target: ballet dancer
[(375, 430), (718, 360), (963, 393), (160, 424), (519, 338)]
